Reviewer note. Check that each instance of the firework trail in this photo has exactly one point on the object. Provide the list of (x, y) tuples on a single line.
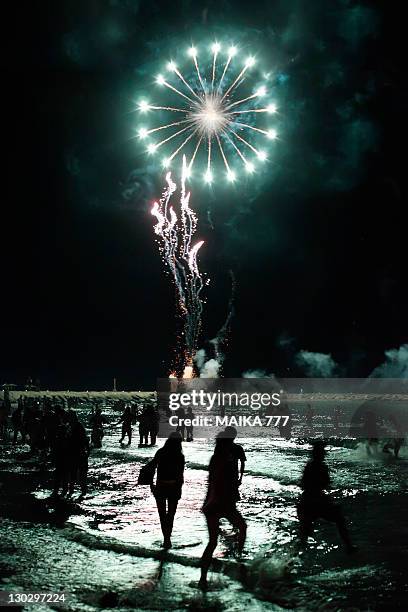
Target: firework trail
[(176, 231), (210, 113)]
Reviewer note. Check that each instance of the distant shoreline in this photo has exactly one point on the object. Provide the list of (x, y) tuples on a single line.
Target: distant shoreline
[(91, 395)]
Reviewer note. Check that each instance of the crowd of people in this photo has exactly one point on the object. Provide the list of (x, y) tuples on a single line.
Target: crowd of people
[(148, 419), (54, 432), (225, 473)]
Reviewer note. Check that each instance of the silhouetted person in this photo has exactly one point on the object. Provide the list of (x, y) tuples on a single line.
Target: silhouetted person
[(36, 430), (4, 412), (6, 399), (370, 431), (61, 453), (126, 420), (336, 420), (309, 419), (18, 425), (181, 428), (152, 418), (285, 425), (170, 477), (97, 422), (144, 426), (222, 496), (189, 428), (237, 453), (47, 426), (314, 502), (78, 454), (396, 443)]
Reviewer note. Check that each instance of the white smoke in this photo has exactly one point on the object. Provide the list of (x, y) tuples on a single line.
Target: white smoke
[(316, 364), (395, 364), (200, 358), (257, 374), (208, 368)]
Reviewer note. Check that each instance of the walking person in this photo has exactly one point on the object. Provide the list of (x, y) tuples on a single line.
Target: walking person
[(152, 419), (222, 495), (97, 421), (370, 432), (144, 424), (336, 420), (60, 452), (181, 428), (310, 414), (126, 420), (78, 455), (18, 425), (170, 463), (4, 412), (397, 440), (315, 503), (189, 428)]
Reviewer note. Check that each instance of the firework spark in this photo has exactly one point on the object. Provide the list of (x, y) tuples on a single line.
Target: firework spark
[(216, 105)]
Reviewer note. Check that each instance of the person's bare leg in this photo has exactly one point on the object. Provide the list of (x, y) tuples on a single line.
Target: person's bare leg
[(305, 527), (213, 523), (83, 480), (344, 533), (161, 507), (64, 481), (238, 522), (172, 507), (72, 479)]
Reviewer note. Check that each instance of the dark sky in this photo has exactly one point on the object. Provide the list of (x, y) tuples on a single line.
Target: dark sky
[(318, 246)]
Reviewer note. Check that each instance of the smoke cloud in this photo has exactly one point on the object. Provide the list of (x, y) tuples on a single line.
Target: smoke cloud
[(210, 369), (200, 358), (316, 364), (257, 374), (395, 364)]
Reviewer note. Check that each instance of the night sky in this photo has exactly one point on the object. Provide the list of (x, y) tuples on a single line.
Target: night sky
[(318, 244)]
